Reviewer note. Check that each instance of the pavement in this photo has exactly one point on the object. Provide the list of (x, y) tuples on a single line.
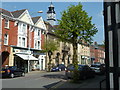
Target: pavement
[(89, 84), (92, 83)]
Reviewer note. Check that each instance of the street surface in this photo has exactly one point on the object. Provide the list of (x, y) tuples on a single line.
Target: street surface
[(34, 80), (46, 80)]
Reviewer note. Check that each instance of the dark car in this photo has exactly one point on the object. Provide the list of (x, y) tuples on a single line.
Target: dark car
[(12, 71), (98, 68), (59, 67), (84, 71)]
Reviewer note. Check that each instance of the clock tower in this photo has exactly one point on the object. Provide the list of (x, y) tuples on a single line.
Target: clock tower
[(51, 15)]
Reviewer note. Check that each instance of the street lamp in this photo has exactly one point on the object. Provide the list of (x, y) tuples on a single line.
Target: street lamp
[(40, 11)]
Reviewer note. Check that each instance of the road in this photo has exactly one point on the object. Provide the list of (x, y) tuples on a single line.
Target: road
[(48, 80), (34, 80)]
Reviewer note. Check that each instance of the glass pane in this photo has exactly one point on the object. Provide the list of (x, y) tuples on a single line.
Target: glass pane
[(117, 8), (109, 15)]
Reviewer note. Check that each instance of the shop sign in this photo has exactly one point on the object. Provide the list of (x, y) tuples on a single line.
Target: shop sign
[(22, 51)]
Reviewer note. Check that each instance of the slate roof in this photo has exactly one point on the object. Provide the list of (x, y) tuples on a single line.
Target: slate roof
[(17, 13), (35, 19), (50, 27), (5, 12)]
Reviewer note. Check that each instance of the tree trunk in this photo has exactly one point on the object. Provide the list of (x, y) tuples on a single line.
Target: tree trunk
[(75, 63), (49, 64)]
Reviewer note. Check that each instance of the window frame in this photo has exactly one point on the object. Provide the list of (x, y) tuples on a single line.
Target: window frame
[(7, 23), (6, 39)]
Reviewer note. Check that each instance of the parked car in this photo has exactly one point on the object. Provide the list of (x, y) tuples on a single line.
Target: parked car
[(59, 67), (12, 71), (98, 68), (84, 71)]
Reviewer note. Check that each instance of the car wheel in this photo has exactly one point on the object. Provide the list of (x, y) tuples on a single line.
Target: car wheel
[(23, 74), (11, 75)]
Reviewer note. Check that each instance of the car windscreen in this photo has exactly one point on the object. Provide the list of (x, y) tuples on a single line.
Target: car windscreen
[(95, 66), (13, 67), (71, 67)]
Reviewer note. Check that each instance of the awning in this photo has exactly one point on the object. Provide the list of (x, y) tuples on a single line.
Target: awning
[(27, 57)]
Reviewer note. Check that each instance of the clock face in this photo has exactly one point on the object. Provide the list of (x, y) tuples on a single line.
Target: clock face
[(51, 16)]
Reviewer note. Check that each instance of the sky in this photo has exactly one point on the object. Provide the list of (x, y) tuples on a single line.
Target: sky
[(93, 9)]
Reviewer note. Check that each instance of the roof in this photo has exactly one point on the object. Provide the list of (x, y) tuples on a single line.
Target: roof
[(35, 19), (5, 12), (17, 13)]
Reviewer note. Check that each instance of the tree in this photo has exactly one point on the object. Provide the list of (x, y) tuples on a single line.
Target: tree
[(50, 46), (75, 26)]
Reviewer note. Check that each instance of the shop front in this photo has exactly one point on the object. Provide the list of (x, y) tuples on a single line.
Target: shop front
[(23, 58)]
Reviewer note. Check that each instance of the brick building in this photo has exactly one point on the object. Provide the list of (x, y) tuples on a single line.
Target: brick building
[(21, 40), (97, 53)]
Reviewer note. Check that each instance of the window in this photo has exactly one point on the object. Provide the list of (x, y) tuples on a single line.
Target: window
[(6, 23), (38, 32), (35, 44), (24, 28), (117, 8), (19, 41), (109, 15), (23, 42), (38, 44), (5, 39)]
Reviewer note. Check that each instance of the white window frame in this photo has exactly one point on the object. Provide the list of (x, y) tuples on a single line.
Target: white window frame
[(23, 42), (7, 23), (22, 29), (20, 41), (38, 42), (38, 32), (6, 38)]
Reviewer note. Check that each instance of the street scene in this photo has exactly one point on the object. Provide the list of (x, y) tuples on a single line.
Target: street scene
[(47, 80), (60, 45)]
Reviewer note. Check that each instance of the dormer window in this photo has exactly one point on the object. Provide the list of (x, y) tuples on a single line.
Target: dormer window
[(24, 28), (38, 32), (6, 23)]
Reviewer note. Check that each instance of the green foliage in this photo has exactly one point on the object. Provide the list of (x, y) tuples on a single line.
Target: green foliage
[(51, 45), (75, 23), (75, 26)]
